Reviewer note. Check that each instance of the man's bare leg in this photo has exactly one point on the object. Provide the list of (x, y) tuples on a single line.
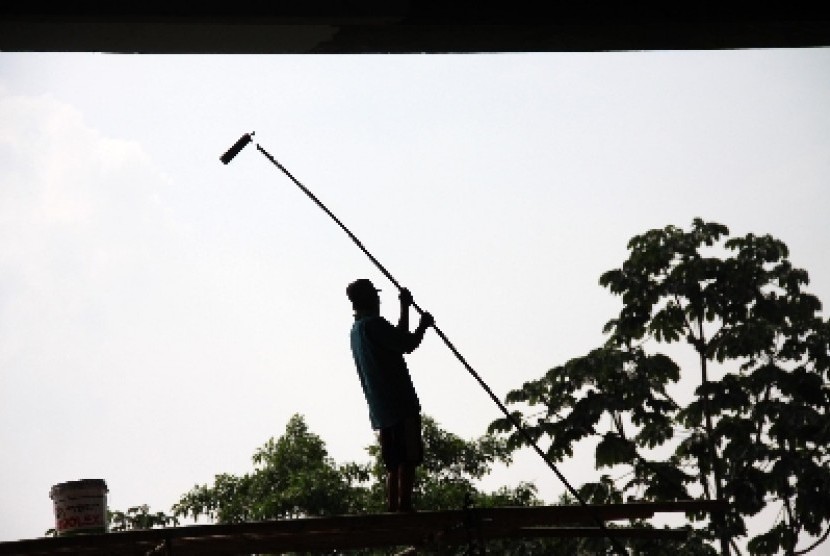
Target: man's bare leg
[(406, 483), (392, 490)]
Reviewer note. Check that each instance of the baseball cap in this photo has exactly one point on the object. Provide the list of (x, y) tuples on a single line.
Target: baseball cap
[(360, 288)]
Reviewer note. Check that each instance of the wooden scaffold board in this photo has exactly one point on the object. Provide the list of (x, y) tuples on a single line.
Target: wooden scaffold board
[(347, 532)]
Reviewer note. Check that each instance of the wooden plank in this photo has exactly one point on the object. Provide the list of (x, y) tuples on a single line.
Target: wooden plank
[(388, 538), (585, 532), (352, 531)]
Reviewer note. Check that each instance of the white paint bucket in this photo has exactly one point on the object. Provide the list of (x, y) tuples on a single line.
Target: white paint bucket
[(80, 506)]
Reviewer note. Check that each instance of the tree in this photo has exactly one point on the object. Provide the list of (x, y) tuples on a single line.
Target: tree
[(757, 430), (139, 517), (450, 468), (295, 477)]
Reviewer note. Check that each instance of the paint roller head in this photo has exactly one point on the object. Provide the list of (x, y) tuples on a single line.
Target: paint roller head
[(238, 146)]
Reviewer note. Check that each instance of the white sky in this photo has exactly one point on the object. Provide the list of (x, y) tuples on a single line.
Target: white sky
[(162, 315)]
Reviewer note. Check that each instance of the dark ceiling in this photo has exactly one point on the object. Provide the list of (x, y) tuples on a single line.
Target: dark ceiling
[(405, 26)]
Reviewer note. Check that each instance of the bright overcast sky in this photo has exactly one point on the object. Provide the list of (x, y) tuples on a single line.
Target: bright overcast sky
[(163, 315)]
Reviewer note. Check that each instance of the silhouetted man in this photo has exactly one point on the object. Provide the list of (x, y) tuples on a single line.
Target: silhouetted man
[(394, 409)]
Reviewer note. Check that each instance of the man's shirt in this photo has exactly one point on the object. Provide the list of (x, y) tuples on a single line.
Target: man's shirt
[(378, 349)]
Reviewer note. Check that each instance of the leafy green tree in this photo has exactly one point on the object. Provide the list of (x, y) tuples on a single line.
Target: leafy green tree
[(756, 432), (295, 477), (139, 517), (449, 471)]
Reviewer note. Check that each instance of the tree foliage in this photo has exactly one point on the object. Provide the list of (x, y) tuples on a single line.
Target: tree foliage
[(294, 476), (450, 468), (139, 517), (757, 429)]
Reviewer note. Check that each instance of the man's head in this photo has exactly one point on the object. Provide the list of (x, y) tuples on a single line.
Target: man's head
[(363, 295)]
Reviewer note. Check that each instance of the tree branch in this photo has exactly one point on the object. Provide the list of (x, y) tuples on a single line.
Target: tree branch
[(815, 544)]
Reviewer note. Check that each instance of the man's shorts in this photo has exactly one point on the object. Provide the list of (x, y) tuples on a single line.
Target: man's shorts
[(402, 443)]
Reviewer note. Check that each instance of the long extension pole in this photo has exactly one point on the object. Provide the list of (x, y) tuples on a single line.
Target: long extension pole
[(247, 138)]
